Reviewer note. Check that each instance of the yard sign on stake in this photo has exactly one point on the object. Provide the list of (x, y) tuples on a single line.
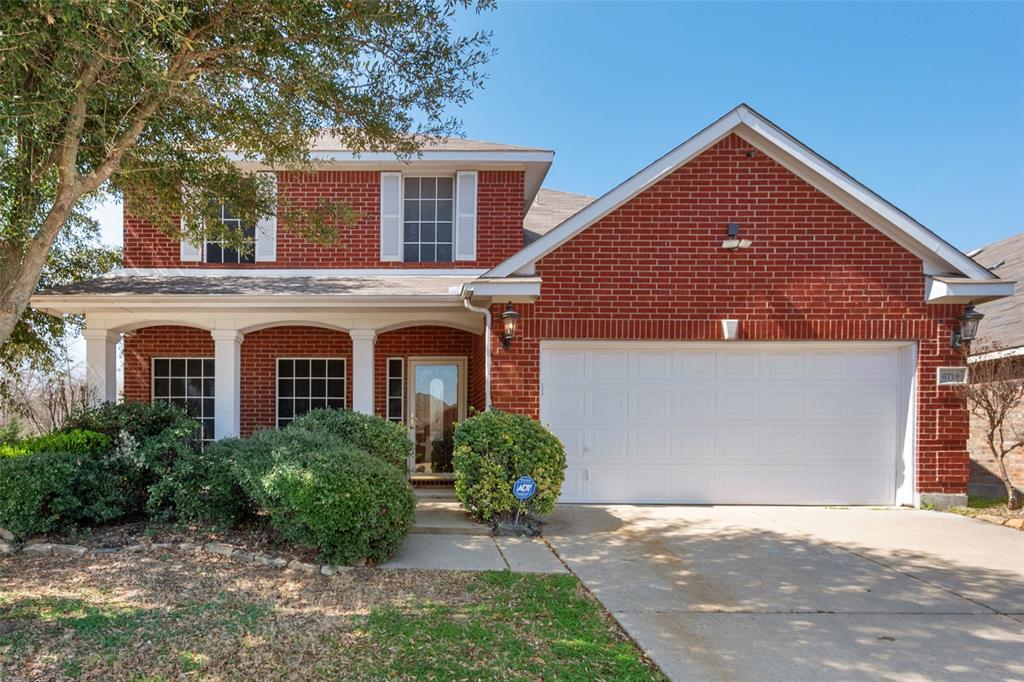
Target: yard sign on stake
[(523, 489)]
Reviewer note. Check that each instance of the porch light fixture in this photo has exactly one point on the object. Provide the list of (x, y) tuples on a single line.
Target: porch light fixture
[(734, 242), (967, 330), (508, 321)]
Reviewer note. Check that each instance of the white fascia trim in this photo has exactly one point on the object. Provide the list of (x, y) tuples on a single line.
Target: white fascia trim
[(465, 156), (755, 125), (295, 272), (59, 305), (831, 173), (997, 355), (514, 290), (940, 290)]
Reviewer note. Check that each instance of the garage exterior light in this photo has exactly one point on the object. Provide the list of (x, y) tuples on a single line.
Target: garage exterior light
[(967, 330), (508, 321)]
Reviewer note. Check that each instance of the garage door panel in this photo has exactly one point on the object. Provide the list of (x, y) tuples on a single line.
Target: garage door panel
[(874, 405), (874, 366), (826, 366), (607, 365), (656, 444), (565, 404), (695, 446), (760, 424), (697, 366), (734, 445), (826, 405), (782, 404), (606, 445), (696, 405), (653, 405), (609, 406), (564, 366), (653, 366), (784, 366), (739, 366)]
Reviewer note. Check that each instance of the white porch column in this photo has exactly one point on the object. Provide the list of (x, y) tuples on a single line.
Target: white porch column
[(227, 357), (101, 365), (362, 369)]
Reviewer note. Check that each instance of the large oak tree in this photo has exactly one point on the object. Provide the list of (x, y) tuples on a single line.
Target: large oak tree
[(146, 98)]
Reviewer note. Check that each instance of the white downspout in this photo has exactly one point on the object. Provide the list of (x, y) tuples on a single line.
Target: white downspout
[(487, 348)]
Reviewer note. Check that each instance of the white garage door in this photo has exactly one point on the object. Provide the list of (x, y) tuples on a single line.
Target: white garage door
[(728, 423)]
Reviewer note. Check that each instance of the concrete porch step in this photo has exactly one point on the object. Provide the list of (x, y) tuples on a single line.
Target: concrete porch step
[(445, 517)]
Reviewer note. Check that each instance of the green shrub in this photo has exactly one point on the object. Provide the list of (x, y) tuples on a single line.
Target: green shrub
[(79, 441), (492, 450), (327, 494), (45, 491), (147, 440), (202, 487), (376, 436)]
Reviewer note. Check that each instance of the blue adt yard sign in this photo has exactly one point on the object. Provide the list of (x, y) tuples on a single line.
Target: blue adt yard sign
[(524, 488)]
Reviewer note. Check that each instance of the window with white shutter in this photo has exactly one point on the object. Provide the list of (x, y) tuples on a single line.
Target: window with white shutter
[(465, 217), (391, 216)]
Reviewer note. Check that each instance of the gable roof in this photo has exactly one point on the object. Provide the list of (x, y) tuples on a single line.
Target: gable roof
[(939, 256), (550, 208), (1003, 325)]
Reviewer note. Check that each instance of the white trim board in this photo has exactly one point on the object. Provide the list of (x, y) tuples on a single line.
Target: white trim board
[(294, 272), (791, 153)]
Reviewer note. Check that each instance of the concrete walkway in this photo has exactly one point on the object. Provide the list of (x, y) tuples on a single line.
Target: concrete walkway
[(785, 593), (445, 538)]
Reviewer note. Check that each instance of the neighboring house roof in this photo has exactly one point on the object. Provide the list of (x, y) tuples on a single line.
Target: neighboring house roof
[(1003, 325), (550, 208), (939, 256)]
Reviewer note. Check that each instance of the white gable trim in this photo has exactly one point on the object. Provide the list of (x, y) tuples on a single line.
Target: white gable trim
[(797, 157)]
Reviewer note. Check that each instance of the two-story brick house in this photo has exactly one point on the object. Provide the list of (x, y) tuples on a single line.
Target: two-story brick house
[(739, 322)]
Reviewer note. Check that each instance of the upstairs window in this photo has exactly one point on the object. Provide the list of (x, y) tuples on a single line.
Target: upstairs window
[(217, 252), (428, 226)]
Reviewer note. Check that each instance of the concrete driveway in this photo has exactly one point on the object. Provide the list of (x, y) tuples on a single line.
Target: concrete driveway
[(796, 593)]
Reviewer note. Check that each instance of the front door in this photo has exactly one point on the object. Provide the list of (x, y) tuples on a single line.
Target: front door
[(437, 400)]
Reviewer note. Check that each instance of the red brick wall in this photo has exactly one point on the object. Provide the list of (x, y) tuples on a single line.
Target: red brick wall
[(499, 225), (160, 341), (260, 351), (426, 341), (654, 269)]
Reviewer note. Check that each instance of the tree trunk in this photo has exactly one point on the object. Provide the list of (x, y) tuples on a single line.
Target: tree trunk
[(1012, 496), (21, 274)]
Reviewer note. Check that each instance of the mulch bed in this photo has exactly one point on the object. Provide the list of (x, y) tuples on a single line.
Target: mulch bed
[(255, 536)]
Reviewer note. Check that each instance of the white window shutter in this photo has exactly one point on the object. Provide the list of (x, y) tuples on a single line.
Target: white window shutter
[(465, 215), (391, 216), (189, 253), (266, 228)]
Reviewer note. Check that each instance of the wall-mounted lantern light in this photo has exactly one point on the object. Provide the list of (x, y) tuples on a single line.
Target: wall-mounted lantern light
[(733, 242), (508, 321), (967, 330)]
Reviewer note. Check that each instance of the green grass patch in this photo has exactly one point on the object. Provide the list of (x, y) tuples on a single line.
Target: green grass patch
[(521, 627)]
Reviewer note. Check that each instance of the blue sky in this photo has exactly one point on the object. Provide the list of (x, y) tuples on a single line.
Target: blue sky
[(922, 102)]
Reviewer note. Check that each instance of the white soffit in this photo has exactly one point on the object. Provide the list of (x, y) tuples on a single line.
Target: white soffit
[(937, 254), (964, 290)]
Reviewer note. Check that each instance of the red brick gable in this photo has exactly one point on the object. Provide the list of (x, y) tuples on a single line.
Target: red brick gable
[(654, 269), (499, 225), (810, 256)]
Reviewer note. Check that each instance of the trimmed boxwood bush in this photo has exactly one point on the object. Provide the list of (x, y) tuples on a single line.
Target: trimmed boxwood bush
[(327, 494), (492, 450), (45, 491), (376, 436), (202, 487), (78, 440)]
